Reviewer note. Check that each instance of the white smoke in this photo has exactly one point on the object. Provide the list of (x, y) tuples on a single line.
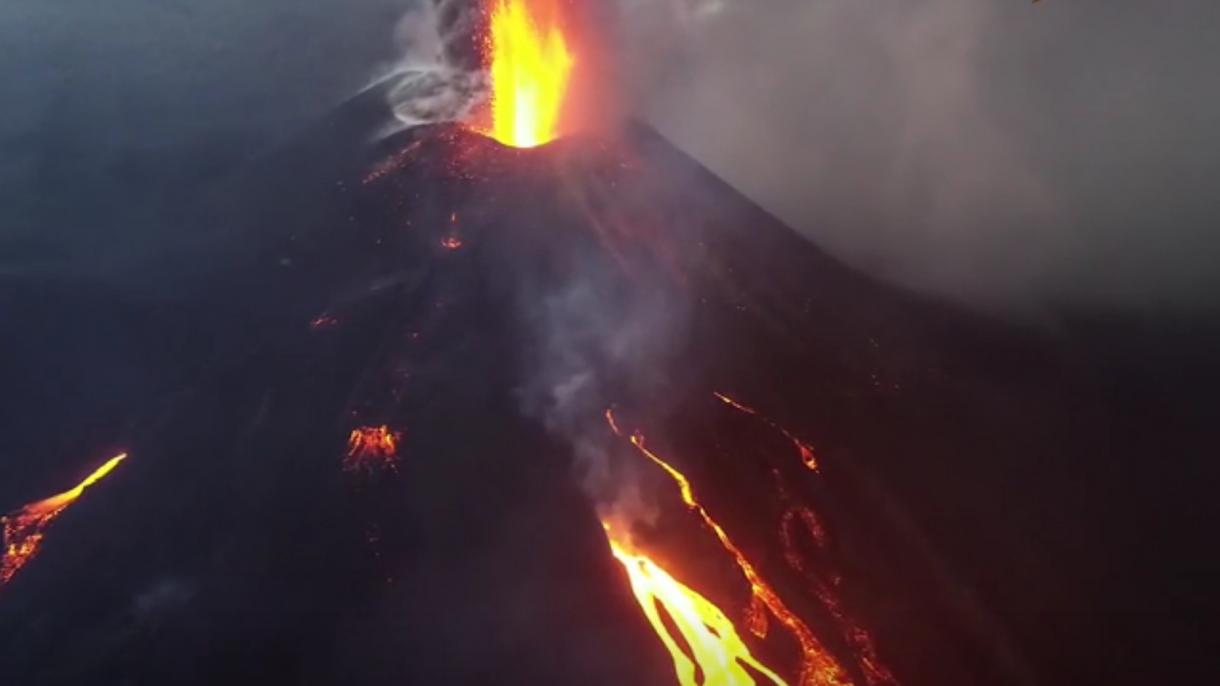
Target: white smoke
[(431, 82), (595, 342), (996, 151)]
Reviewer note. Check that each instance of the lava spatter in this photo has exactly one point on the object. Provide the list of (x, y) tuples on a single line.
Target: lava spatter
[(371, 448)]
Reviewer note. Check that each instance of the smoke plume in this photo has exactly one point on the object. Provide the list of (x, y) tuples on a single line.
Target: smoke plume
[(436, 78), (997, 152)]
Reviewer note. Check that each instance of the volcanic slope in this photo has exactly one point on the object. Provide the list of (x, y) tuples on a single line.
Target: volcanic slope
[(448, 365)]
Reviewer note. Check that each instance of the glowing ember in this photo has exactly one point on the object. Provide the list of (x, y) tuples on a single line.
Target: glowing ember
[(530, 66), (808, 457), (25, 528), (818, 667), (756, 617), (323, 321), (371, 448), (719, 652)]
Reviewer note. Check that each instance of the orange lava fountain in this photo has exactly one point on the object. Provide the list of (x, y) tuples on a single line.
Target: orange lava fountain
[(818, 666), (25, 528), (530, 68)]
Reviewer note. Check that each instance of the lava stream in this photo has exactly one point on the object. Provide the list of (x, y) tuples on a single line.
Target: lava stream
[(808, 457), (530, 67), (24, 529), (719, 652), (818, 666)]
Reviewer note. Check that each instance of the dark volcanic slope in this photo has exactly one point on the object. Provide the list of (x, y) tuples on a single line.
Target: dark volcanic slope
[(490, 304)]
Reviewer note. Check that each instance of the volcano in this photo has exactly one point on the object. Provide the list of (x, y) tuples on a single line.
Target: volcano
[(437, 410)]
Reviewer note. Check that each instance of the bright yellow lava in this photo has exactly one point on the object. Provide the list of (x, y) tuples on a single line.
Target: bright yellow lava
[(24, 529), (530, 67), (722, 657), (818, 666)]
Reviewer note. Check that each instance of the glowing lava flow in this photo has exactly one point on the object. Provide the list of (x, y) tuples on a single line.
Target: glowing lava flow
[(371, 447), (875, 673), (818, 667), (530, 67), (25, 528), (718, 651), (808, 457)]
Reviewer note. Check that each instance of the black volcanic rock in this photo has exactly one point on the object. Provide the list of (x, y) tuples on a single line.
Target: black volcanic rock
[(490, 304)]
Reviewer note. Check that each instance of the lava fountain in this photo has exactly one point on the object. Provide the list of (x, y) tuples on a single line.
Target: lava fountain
[(530, 65)]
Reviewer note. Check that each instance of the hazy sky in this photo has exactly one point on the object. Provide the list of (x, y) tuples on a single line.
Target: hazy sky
[(995, 150), (991, 149)]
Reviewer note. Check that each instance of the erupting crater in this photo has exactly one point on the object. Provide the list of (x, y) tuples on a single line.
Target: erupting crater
[(530, 66)]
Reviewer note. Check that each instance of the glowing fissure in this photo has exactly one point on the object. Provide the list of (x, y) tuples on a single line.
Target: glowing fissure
[(530, 67), (818, 667), (24, 529), (808, 457)]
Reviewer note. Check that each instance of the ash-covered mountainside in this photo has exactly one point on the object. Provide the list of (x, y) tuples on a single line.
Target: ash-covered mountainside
[(392, 397)]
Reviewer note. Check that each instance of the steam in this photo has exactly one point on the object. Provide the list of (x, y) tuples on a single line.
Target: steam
[(1000, 153), (596, 344), (434, 79)]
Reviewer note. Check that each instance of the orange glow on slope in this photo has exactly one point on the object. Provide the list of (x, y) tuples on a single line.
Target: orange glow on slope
[(25, 528), (530, 68), (719, 652), (861, 642), (370, 448), (808, 457), (818, 667)]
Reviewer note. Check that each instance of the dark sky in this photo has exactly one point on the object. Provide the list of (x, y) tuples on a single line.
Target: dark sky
[(995, 150)]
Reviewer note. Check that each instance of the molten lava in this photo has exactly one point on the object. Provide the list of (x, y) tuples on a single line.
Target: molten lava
[(808, 457), (818, 666), (530, 68), (25, 528), (371, 448), (856, 636), (718, 651)]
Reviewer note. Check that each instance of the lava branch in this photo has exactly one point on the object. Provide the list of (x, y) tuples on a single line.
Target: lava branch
[(818, 667), (24, 529), (713, 640), (808, 457)]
